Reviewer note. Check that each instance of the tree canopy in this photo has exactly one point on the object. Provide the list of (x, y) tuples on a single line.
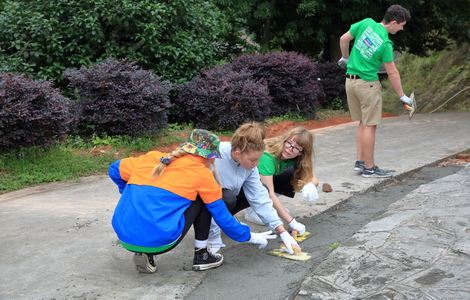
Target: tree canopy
[(175, 38), (313, 27), (179, 38)]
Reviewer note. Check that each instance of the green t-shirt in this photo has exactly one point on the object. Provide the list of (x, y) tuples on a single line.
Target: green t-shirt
[(371, 48), (270, 165)]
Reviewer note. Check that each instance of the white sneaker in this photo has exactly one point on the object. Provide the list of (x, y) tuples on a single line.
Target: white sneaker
[(251, 216), (214, 242)]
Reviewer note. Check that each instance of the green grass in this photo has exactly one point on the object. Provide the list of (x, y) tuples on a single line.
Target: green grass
[(325, 114), (286, 117), (33, 166), (333, 246), (77, 157), (434, 79)]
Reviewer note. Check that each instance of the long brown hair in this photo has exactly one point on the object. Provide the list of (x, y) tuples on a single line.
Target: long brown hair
[(303, 172), (249, 137)]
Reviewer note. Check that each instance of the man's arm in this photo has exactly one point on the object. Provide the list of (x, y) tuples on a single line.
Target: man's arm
[(394, 77), (344, 41)]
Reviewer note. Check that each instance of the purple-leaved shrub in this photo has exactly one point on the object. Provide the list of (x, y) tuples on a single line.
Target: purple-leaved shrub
[(222, 99), (332, 79), (32, 112), (116, 97), (292, 80)]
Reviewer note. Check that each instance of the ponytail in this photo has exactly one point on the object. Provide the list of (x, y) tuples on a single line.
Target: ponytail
[(249, 137), (166, 160)]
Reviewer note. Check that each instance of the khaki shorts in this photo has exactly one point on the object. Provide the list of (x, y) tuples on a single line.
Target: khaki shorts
[(364, 101)]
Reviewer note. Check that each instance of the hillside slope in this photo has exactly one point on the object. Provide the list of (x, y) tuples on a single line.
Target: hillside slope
[(435, 79)]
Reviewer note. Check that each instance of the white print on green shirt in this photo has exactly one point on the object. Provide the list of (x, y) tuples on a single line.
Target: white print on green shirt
[(368, 43)]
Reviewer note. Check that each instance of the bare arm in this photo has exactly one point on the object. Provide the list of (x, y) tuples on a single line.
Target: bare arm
[(315, 180), (394, 77), (344, 41), (281, 211), (280, 229)]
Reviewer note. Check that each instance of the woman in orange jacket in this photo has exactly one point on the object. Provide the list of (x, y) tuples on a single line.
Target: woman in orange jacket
[(163, 195)]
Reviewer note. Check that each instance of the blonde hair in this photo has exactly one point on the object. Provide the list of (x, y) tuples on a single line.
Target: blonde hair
[(303, 172), (164, 161), (249, 137)]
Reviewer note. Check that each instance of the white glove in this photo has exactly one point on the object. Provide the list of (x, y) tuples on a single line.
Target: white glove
[(288, 241), (342, 62), (309, 192), (261, 238), (297, 226), (407, 100)]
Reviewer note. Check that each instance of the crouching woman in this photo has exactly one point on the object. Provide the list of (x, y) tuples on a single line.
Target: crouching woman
[(163, 195)]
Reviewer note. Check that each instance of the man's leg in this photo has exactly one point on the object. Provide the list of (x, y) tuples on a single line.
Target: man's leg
[(354, 105), (367, 144), (359, 136), (370, 97), (371, 106)]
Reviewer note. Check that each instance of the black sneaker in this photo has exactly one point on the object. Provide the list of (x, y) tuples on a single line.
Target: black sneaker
[(359, 166), (204, 260), (376, 172), (144, 263)]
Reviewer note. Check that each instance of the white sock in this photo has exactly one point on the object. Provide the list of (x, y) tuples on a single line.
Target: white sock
[(198, 244)]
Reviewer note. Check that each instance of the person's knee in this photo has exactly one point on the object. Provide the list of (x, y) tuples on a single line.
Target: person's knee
[(370, 127), (230, 198)]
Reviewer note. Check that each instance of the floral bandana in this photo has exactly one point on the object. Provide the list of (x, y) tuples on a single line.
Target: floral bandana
[(203, 143)]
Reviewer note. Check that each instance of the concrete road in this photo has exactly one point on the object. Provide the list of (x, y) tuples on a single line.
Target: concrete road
[(57, 241)]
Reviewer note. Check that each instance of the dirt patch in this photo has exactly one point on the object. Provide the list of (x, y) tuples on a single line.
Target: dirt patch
[(273, 130), (461, 159), (100, 150)]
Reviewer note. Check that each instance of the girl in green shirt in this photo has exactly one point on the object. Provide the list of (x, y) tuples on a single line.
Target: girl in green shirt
[(286, 167)]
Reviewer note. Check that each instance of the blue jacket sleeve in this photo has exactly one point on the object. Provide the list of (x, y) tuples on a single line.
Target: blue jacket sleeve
[(230, 226), (115, 175)]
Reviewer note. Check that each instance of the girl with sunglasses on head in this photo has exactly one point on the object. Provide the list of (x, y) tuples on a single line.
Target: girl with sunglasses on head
[(238, 175), (286, 167)]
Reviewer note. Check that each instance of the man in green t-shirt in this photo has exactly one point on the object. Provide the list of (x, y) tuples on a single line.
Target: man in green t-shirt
[(371, 48)]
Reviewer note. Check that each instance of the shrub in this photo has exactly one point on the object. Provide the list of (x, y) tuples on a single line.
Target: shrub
[(332, 80), (176, 39), (222, 99), (32, 113), (118, 98), (291, 78)]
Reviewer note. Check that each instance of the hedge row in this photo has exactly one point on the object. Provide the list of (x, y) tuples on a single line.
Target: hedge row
[(254, 87), (116, 97), (113, 97)]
